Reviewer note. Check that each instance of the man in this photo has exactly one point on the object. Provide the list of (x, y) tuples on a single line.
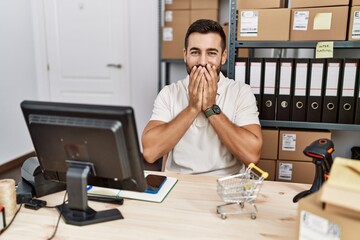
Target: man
[(206, 123)]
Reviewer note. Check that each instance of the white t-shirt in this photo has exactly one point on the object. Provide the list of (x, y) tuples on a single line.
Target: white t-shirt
[(200, 150)]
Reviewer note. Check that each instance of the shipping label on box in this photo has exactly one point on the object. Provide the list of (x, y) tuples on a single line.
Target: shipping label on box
[(169, 16), (301, 19), (355, 33), (313, 227), (285, 171), (249, 23), (167, 34), (289, 142)]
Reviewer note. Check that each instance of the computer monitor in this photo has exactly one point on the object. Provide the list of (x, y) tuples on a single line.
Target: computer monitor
[(83, 144)]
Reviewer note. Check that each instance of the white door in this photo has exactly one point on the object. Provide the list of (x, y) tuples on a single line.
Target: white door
[(88, 51)]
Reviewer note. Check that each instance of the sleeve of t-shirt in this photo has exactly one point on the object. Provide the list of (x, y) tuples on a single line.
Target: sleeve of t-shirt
[(162, 109), (246, 109)]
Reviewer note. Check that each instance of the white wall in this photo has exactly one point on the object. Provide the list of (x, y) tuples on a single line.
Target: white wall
[(17, 76), (18, 79)]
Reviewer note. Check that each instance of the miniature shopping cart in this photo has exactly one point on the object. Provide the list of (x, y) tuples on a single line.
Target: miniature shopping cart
[(239, 189)]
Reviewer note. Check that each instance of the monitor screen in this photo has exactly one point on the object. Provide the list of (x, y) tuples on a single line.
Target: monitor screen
[(73, 140)]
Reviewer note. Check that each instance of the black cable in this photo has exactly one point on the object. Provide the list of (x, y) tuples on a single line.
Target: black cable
[(57, 224), (7, 226)]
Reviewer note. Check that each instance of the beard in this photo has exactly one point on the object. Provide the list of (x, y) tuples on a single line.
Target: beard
[(188, 68)]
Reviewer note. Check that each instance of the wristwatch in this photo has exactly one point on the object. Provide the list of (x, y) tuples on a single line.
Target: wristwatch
[(215, 109)]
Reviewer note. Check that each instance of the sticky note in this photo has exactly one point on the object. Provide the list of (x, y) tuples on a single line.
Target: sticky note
[(322, 21), (324, 50)]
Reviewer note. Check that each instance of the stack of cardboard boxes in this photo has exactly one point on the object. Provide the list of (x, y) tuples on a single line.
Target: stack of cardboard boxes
[(302, 20), (178, 15), (333, 212), (282, 154)]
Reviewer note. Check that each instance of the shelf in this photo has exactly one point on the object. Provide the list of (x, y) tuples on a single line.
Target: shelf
[(172, 60), (294, 44), (310, 125)]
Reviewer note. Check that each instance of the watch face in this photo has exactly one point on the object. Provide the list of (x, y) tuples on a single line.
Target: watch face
[(216, 109)]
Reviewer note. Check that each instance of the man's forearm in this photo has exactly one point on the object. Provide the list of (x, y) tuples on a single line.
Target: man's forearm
[(159, 138), (244, 143)]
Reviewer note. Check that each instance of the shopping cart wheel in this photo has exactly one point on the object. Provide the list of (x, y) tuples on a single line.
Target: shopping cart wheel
[(223, 216), (253, 216), (242, 204)]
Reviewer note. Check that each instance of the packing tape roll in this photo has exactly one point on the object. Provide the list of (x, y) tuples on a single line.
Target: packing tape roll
[(8, 196)]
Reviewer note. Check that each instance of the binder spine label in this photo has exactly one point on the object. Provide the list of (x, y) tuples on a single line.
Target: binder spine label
[(255, 77), (300, 80), (285, 79), (240, 71), (316, 79), (332, 81), (349, 80), (270, 76)]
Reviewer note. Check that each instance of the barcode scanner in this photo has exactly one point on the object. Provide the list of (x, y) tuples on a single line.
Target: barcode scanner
[(320, 151)]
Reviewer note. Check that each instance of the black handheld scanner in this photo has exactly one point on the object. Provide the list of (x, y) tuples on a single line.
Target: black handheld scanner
[(321, 149)]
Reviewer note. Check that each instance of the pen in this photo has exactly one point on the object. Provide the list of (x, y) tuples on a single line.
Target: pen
[(119, 201)]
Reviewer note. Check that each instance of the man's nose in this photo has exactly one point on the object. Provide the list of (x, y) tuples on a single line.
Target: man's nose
[(203, 60)]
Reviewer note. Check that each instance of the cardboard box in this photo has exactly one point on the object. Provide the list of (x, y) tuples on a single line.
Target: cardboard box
[(355, 2), (177, 4), (258, 24), (315, 222), (316, 3), (270, 144), (328, 23), (204, 4), (295, 171), (341, 192), (259, 4), (269, 166), (354, 26), (293, 142), (173, 33), (203, 14)]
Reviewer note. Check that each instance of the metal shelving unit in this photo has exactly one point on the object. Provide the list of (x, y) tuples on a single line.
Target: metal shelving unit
[(233, 45)]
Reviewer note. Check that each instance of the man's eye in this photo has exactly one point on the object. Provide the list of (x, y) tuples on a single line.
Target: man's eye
[(194, 53), (212, 53)]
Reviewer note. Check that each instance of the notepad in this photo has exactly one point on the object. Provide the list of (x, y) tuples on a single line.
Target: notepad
[(150, 197)]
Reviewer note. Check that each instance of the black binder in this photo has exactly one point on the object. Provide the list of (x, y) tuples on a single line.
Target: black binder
[(283, 102), (241, 66), (331, 93), (268, 101), (255, 80), (298, 109), (347, 93), (357, 101), (315, 90)]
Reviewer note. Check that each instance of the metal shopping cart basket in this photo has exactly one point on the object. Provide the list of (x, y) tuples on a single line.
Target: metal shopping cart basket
[(240, 188)]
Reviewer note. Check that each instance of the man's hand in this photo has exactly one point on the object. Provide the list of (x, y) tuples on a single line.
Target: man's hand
[(196, 86), (210, 87)]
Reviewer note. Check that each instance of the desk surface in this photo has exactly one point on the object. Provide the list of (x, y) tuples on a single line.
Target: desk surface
[(188, 212)]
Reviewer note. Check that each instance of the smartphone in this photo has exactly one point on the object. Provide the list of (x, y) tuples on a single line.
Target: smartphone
[(154, 183)]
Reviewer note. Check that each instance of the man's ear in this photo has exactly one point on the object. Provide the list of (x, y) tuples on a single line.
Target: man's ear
[(224, 57), (184, 51)]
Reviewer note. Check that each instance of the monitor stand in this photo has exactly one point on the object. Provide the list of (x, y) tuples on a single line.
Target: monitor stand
[(76, 211)]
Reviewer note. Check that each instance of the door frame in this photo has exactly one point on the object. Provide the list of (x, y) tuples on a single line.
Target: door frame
[(41, 61)]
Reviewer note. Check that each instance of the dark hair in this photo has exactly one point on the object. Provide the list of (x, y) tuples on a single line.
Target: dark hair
[(206, 26)]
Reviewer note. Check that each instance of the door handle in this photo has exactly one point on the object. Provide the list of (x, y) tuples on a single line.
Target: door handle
[(114, 65)]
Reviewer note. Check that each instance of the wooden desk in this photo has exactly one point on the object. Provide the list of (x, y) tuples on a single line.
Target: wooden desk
[(188, 212)]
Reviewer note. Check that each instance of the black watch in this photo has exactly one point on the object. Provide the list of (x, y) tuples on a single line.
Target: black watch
[(215, 109)]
